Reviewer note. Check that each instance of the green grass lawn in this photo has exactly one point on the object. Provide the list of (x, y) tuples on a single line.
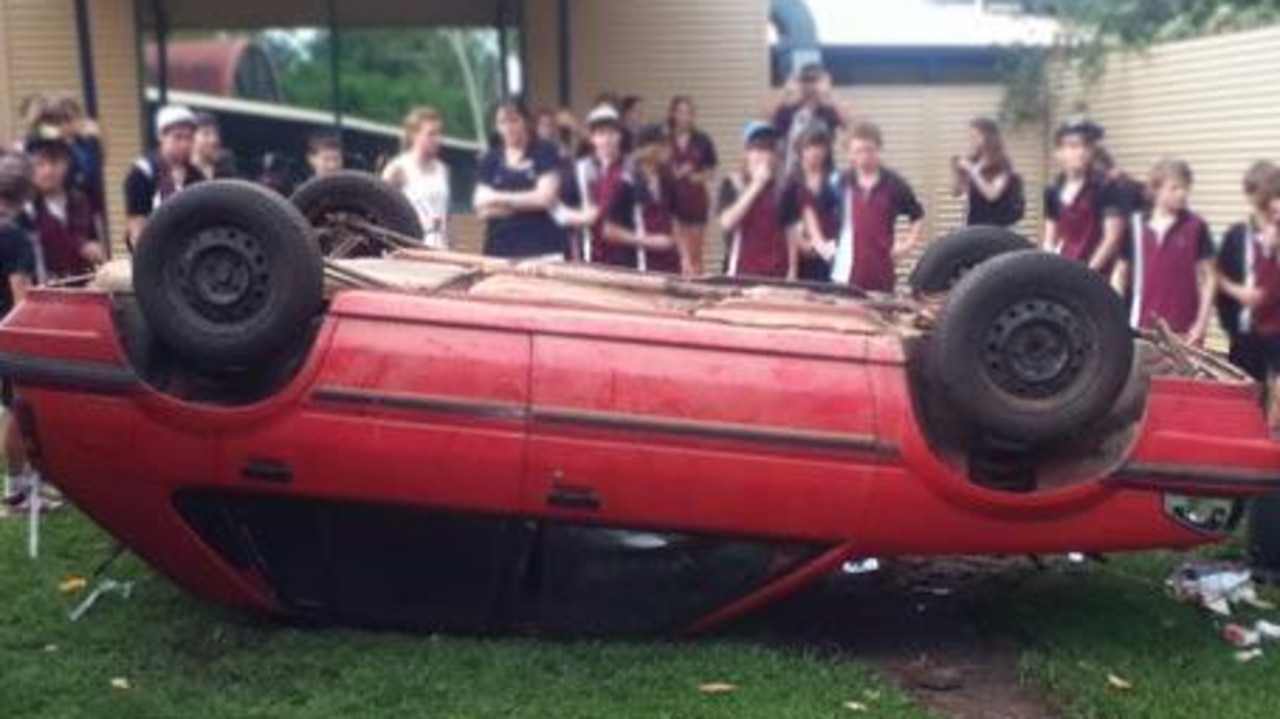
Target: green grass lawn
[(1116, 619), (183, 658)]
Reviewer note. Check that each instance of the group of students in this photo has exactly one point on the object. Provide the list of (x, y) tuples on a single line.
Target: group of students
[(636, 195)]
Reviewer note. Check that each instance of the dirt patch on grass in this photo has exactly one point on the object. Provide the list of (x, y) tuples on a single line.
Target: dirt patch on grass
[(913, 620)]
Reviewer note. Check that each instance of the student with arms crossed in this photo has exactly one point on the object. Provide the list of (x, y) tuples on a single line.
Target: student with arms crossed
[(1169, 258), (1237, 263), (762, 228), (872, 197), (642, 214), (517, 185)]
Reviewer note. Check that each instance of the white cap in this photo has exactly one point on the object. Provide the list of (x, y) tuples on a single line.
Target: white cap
[(170, 115), (603, 115)]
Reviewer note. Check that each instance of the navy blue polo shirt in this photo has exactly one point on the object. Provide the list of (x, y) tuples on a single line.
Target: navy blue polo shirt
[(528, 233)]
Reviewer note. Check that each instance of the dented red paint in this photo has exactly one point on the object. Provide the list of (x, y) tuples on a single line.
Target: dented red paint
[(701, 427)]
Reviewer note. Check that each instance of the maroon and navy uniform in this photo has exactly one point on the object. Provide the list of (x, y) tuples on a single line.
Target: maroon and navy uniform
[(1082, 221), (1006, 210), (697, 154), (1266, 316), (63, 232), (596, 185), (1164, 267), (646, 210), (864, 256), (759, 245), (825, 204), (1237, 260)]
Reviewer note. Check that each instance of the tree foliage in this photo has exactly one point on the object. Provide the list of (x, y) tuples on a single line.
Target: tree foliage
[(384, 73)]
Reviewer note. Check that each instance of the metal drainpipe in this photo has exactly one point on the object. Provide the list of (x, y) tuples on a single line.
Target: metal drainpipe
[(162, 51), (88, 79)]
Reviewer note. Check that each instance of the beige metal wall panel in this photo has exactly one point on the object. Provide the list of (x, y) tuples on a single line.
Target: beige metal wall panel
[(40, 52), (116, 63), (1207, 101), (713, 50)]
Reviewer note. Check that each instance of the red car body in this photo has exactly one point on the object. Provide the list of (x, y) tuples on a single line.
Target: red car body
[(453, 462)]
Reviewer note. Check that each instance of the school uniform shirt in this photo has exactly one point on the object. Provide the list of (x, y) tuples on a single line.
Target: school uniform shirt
[(17, 257), (698, 153), (63, 227), (521, 234), (637, 207), (1081, 218), (1237, 260), (1164, 267), (427, 189), (595, 185), (758, 247), (150, 182), (1266, 316), (1006, 210), (864, 254), (825, 203), (85, 172)]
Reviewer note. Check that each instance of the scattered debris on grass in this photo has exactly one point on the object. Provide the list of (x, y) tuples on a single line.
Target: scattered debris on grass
[(73, 584), (107, 586), (121, 684), (1248, 655), (857, 707), (717, 688), (1119, 683), (1216, 586)]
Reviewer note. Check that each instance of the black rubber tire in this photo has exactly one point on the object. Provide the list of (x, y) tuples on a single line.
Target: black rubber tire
[(1032, 348), (946, 261), (360, 194), (228, 274)]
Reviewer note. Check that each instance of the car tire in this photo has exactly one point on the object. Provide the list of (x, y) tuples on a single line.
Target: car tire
[(227, 274), (1032, 348), (359, 194), (946, 261)]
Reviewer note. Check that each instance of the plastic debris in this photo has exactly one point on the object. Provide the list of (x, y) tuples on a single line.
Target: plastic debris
[(717, 688), (856, 707), (1247, 655), (868, 565), (121, 683), (1216, 587), (1240, 636), (104, 587), (1119, 683), (72, 584)]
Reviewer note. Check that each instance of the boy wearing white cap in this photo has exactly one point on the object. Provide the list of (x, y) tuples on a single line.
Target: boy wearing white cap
[(159, 175)]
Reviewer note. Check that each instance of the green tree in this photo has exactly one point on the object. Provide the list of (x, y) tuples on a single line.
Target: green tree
[(384, 73)]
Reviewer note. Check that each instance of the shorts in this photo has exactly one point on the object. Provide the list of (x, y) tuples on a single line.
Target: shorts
[(692, 204), (1269, 348), (1249, 354), (6, 393)]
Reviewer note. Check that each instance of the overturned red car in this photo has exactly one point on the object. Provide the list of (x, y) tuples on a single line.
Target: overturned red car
[(457, 443)]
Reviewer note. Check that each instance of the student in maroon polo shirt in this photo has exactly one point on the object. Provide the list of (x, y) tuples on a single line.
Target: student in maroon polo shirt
[(641, 217), (1169, 258), (761, 225), (1082, 220), (1261, 297), (1236, 263), (819, 205), (872, 197), (61, 215), (587, 195), (693, 159)]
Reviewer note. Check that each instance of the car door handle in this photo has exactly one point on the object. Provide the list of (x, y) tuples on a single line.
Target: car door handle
[(272, 471), (580, 498)]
